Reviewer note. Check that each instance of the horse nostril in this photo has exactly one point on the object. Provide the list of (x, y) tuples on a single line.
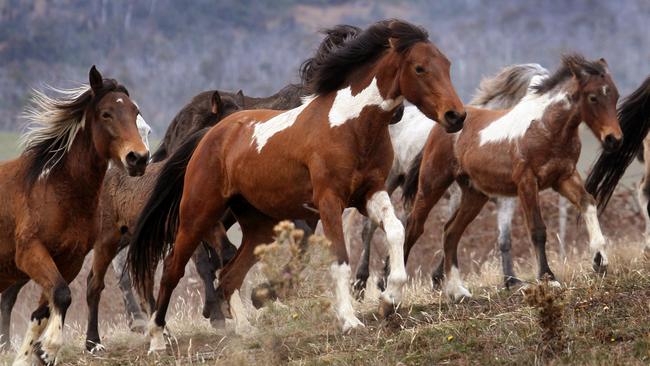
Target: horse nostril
[(611, 142), (132, 158), (453, 117)]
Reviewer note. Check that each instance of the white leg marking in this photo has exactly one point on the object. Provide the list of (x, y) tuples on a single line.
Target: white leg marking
[(52, 338), (344, 310), (380, 209), (454, 285), (643, 203), (157, 336), (25, 353), (506, 209), (596, 238), (242, 326)]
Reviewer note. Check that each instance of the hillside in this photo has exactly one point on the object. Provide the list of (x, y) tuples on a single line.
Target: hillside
[(166, 51)]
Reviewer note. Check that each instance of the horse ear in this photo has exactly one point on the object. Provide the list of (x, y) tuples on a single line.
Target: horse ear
[(576, 71), (603, 62), (240, 97), (216, 103), (95, 78)]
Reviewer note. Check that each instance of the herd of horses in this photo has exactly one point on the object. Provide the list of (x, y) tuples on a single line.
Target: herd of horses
[(342, 138)]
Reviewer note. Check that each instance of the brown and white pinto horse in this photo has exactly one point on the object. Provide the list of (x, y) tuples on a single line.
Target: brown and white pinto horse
[(49, 220), (330, 153), (519, 152)]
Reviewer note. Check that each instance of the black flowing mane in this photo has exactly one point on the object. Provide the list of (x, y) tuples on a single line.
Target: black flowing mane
[(345, 48), (53, 124), (569, 62)]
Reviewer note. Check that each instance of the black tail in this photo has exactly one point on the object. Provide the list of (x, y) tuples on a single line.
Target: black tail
[(156, 229), (634, 118), (410, 185)]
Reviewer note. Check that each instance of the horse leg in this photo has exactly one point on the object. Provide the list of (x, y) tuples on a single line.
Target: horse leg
[(7, 301), (471, 203), (256, 229), (134, 309), (380, 210), (199, 208), (573, 189), (455, 193), (37, 323), (528, 193), (643, 196), (505, 212), (432, 185), (369, 227), (204, 257), (34, 259), (331, 206), (104, 251)]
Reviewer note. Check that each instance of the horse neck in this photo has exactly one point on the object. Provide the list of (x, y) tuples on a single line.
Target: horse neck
[(565, 123), (286, 98), (84, 168), (374, 125)]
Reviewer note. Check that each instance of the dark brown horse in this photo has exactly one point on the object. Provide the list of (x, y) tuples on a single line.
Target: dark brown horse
[(519, 152), (49, 221), (330, 153)]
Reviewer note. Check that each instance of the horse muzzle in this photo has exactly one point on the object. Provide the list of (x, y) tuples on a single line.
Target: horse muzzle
[(454, 121), (611, 143), (136, 163)]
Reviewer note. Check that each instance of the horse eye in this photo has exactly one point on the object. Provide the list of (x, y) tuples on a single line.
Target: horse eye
[(106, 115), (592, 99), (419, 69)]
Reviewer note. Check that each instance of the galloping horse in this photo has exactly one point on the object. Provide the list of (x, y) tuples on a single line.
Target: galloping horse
[(50, 221), (634, 116), (519, 152), (332, 152), (409, 135)]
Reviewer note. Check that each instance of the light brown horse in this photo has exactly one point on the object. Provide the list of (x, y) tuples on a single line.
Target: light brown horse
[(330, 153), (519, 152), (49, 220)]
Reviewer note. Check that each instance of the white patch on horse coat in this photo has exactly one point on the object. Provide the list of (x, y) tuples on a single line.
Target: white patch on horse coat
[(605, 90), (454, 285), (119, 100), (381, 211), (596, 238), (516, 122), (408, 137), (143, 129), (341, 276), (263, 131), (347, 107)]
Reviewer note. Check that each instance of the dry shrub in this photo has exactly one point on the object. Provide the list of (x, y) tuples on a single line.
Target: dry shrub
[(284, 262), (548, 302)]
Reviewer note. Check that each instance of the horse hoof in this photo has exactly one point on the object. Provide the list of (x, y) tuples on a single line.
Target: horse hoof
[(351, 323), (513, 283), (94, 346), (386, 309), (459, 294), (600, 264), (45, 357), (359, 289), (218, 323)]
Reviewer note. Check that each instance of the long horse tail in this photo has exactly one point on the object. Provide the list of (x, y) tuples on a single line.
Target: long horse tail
[(155, 231), (334, 38), (634, 118), (411, 180), (508, 87)]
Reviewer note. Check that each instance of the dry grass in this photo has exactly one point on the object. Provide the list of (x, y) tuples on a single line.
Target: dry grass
[(590, 320)]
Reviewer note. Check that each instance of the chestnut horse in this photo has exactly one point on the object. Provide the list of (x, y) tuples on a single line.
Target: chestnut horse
[(409, 135), (634, 116), (51, 192), (332, 152), (518, 152)]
